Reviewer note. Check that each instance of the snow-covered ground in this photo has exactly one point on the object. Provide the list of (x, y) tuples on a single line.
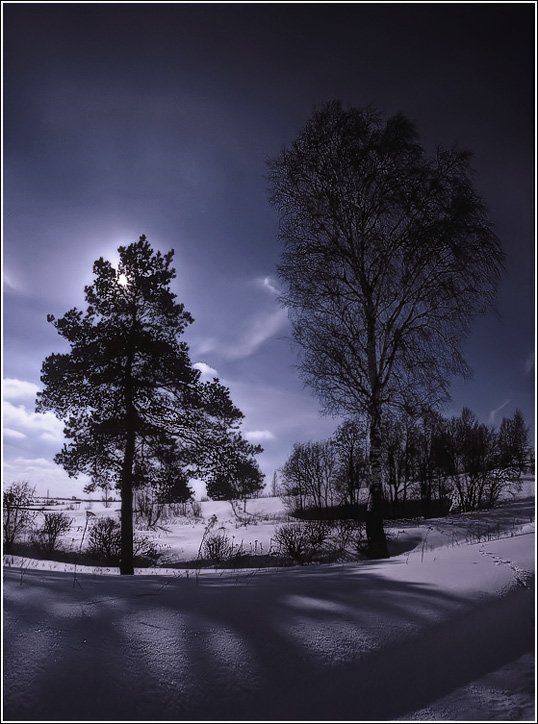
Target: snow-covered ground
[(443, 630)]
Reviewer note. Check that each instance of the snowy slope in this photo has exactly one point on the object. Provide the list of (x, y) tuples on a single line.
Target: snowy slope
[(441, 631)]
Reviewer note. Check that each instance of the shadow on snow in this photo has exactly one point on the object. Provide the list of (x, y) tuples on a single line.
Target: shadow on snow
[(320, 643)]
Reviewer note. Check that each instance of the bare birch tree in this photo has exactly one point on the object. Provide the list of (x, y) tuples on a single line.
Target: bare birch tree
[(388, 256)]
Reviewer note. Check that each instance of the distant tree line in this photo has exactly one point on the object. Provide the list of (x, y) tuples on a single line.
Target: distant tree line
[(426, 460)]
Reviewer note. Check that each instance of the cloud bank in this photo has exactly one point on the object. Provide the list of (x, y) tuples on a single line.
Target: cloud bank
[(13, 389), (20, 422)]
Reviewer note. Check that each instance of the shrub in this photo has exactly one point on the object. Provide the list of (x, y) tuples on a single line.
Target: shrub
[(146, 550), (104, 540), (54, 525), (104, 543), (18, 516), (300, 541), (217, 547), (344, 533)]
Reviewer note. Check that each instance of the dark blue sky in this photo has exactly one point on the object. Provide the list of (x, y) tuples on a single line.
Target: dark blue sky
[(122, 120)]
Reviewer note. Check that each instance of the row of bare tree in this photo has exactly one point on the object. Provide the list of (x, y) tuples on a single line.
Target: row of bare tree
[(427, 458)]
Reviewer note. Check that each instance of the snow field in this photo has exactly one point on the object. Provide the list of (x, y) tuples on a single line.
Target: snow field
[(443, 630)]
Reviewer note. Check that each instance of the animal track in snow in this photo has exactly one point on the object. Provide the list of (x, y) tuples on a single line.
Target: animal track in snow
[(520, 575)]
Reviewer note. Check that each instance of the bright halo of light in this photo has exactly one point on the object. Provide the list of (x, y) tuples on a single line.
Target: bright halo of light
[(122, 279)]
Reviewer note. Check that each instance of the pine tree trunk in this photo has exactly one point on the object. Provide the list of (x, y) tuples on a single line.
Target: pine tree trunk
[(127, 532)]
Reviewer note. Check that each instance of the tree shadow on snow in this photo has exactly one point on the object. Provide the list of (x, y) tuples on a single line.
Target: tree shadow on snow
[(319, 643)]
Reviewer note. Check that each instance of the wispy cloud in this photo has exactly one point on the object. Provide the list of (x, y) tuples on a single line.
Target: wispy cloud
[(255, 332), (529, 363), (10, 282), (268, 284), (246, 333), (205, 345), (208, 372), (496, 410), (259, 435), (260, 328)]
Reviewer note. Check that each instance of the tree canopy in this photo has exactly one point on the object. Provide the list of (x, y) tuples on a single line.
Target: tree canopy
[(135, 410)]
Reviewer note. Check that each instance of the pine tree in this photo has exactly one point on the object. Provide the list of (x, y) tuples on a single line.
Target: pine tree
[(237, 477), (135, 411)]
